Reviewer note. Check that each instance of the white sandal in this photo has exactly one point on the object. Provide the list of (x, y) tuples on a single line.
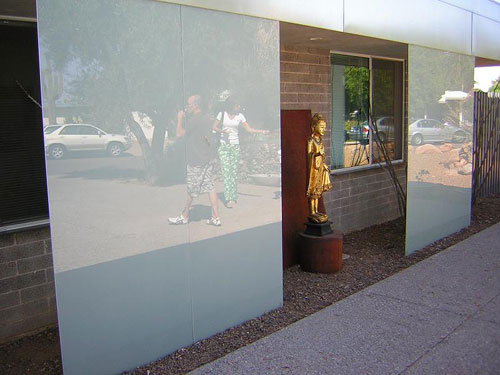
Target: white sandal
[(214, 221), (178, 220)]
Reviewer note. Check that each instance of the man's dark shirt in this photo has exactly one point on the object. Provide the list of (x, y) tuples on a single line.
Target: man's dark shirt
[(198, 139)]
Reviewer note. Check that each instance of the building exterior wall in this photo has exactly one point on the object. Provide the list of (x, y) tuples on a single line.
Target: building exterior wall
[(360, 198), (448, 25), (27, 297), (363, 198), (305, 79), (357, 200), (123, 273), (438, 193)]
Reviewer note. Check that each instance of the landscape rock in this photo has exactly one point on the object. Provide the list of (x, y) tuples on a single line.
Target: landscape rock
[(446, 147), (428, 149)]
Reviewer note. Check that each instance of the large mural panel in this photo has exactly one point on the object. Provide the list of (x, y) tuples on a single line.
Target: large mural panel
[(440, 106), (161, 128)]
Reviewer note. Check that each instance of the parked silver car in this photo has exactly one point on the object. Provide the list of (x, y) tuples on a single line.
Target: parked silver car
[(428, 130), (59, 139)]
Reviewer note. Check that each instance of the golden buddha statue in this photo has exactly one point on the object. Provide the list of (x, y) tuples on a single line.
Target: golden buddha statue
[(318, 173)]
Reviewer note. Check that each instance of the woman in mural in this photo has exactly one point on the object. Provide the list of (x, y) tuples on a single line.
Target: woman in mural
[(318, 173), (229, 150)]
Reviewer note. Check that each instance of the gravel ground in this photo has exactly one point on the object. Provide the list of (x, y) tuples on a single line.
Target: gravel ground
[(375, 253)]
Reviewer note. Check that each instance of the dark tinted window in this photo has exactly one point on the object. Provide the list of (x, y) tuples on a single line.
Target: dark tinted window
[(23, 186)]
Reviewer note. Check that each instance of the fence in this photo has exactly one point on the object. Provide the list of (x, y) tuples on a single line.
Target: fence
[(486, 162)]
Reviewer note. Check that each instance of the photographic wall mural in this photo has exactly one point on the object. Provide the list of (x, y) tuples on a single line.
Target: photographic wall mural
[(440, 105), (161, 126)]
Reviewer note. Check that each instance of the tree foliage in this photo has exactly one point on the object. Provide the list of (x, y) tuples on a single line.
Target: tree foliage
[(430, 74), (495, 86), (122, 56)]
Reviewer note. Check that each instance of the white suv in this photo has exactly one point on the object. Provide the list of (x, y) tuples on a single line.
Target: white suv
[(59, 139)]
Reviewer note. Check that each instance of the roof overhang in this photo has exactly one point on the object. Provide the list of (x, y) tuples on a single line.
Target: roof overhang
[(312, 37)]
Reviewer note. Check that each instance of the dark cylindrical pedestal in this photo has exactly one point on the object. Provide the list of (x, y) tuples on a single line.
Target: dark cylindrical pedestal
[(321, 254)]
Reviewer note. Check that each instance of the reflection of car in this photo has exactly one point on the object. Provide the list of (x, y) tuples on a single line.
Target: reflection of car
[(385, 128), (50, 129), (358, 133), (60, 139), (428, 130)]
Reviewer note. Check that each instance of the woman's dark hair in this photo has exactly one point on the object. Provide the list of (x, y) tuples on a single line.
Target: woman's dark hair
[(229, 104)]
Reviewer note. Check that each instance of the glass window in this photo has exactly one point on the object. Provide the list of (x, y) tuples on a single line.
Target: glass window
[(359, 92), (350, 98), (439, 183), (88, 130), (23, 187), (51, 129), (70, 130)]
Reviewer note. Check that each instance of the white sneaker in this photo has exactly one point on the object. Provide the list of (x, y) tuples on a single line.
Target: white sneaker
[(178, 220), (214, 221)]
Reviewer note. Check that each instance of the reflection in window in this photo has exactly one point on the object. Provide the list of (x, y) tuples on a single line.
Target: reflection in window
[(70, 130), (88, 130), (387, 108), (350, 93), (51, 129), (352, 142)]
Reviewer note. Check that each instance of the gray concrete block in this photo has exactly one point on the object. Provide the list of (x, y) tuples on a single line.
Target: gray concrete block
[(48, 246), (383, 177), (32, 235), (34, 263), (362, 181), (37, 292), (474, 348), (30, 324), (49, 274), (345, 184), (8, 269), (12, 253), (6, 240), (360, 189), (20, 312), (8, 300), (338, 194), (53, 304), (8, 285), (30, 279)]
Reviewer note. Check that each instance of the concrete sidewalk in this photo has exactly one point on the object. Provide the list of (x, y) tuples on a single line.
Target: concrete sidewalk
[(440, 316)]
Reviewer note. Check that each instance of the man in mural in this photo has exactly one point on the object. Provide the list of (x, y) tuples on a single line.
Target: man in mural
[(196, 128)]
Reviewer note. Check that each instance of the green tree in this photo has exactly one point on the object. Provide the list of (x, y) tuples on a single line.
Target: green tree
[(437, 71), (357, 86), (495, 87), (119, 55), (125, 56)]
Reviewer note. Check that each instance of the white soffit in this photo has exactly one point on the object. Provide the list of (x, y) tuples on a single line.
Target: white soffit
[(429, 23), (486, 37), (326, 14), (486, 8)]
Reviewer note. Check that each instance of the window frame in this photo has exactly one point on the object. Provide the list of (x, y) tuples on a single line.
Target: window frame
[(371, 164)]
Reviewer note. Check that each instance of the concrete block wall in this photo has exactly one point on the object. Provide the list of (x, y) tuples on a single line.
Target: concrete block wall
[(358, 199), (306, 83), (27, 294)]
